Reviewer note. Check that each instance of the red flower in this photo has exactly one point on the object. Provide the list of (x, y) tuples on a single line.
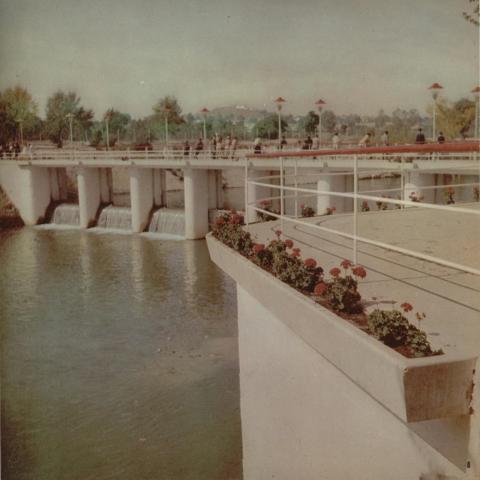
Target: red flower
[(220, 221), (346, 264), (335, 272), (406, 307), (233, 211), (296, 252), (258, 247), (359, 271), (320, 288), (278, 233), (289, 243), (302, 206), (264, 202), (236, 219), (310, 263)]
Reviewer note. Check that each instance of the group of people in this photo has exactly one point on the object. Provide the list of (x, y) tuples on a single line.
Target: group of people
[(385, 139), (10, 150), (218, 147), (420, 138)]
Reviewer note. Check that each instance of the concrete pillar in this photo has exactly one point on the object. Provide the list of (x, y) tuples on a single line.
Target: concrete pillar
[(196, 203), (256, 193), (141, 197), (334, 183), (413, 183), (215, 189), (106, 185), (159, 187), (88, 180), (29, 190)]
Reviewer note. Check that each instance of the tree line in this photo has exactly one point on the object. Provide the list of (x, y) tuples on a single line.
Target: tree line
[(65, 117)]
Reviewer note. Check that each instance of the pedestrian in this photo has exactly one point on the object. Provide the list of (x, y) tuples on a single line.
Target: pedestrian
[(420, 138), (213, 146), (305, 145), (335, 140), (316, 143), (257, 146), (384, 138), (186, 148), (198, 147), (283, 142), (233, 146), (441, 138), (309, 142), (228, 143), (365, 141)]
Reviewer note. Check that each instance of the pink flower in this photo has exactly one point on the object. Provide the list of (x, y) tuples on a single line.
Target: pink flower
[(233, 211), (359, 271), (320, 288), (278, 233), (258, 247), (289, 243), (310, 263), (302, 206), (296, 252), (335, 272), (346, 264), (406, 307), (220, 221)]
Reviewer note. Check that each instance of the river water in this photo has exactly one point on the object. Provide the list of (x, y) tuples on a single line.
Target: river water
[(119, 359)]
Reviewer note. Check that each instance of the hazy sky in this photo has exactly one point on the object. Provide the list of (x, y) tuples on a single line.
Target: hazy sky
[(359, 55)]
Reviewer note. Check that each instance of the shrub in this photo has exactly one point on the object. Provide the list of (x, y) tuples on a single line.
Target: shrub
[(228, 229), (365, 206), (343, 296), (330, 210), (449, 196), (415, 197), (394, 330), (267, 205), (306, 211)]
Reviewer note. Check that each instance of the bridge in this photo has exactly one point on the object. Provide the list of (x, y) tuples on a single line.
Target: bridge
[(34, 180)]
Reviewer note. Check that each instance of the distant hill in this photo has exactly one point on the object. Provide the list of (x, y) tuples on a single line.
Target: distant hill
[(239, 111)]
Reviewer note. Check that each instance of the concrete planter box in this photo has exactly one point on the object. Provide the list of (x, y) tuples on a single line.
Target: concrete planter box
[(413, 389)]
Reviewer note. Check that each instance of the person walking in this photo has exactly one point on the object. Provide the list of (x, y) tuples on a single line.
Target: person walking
[(283, 143), (335, 140), (257, 146), (309, 142), (186, 148), (420, 138), (365, 141), (233, 147), (441, 138), (385, 139), (198, 147)]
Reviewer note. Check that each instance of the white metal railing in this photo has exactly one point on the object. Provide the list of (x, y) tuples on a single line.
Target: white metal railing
[(355, 195)]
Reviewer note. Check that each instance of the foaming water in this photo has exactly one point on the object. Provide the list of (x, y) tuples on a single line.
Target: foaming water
[(119, 359), (115, 218), (170, 221), (66, 214)]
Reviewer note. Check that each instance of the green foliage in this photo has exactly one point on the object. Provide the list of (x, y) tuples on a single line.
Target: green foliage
[(17, 108), (329, 121), (228, 229), (455, 118), (268, 127), (473, 15), (117, 125), (342, 294), (394, 330), (309, 123), (59, 105)]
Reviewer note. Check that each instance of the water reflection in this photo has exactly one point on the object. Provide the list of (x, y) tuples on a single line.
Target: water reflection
[(118, 359)]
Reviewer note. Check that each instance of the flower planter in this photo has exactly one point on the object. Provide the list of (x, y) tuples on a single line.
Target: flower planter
[(414, 389)]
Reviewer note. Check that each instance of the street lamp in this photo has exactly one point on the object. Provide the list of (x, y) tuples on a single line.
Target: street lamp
[(167, 109), (280, 101), (70, 120), (204, 111), (320, 103), (476, 94), (435, 88)]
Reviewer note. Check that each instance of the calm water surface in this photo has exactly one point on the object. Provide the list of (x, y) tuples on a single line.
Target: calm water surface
[(119, 359)]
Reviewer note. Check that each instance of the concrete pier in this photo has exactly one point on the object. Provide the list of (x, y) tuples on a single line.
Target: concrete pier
[(334, 183), (58, 183), (141, 197), (196, 203), (106, 185), (89, 196), (256, 193), (215, 189), (159, 187)]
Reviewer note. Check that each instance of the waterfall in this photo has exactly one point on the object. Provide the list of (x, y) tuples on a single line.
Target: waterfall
[(170, 221), (66, 214), (115, 218)]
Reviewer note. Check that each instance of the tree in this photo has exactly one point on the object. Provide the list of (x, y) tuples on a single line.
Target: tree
[(117, 124), (59, 105), (473, 15), (329, 121), (455, 119), (268, 127), (17, 113), (309, 123)]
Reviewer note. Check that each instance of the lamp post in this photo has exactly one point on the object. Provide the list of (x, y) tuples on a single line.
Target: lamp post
[(108, 116), (476, 94), (167, 109), (435, 89), (320, 103), (280, 101), (204, 112), (70, 121), (20, 123)]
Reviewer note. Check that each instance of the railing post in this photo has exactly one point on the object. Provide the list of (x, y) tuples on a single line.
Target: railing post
[(296, 186), (402, 181), (355, 207), (282, 206), (246, 191)]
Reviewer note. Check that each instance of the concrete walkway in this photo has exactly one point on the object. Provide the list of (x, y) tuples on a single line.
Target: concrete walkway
[(449, 297)]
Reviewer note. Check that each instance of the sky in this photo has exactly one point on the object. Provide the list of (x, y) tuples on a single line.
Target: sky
[(359, 56)]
